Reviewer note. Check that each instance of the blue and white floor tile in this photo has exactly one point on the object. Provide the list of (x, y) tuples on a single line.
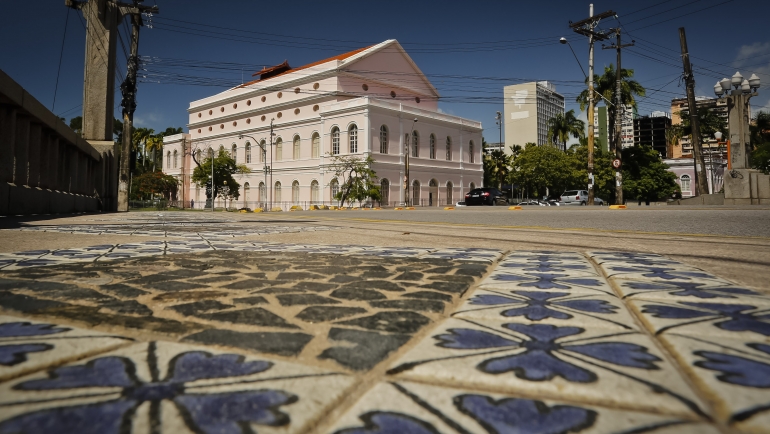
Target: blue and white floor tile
[(700, 291), (705, 318), (27, 345), (406, 407), (546, 307), (466, 254), (169, 387), (622, 369), (734, 373)]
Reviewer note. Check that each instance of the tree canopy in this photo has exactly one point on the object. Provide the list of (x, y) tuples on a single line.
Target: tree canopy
[(760, 141), (562, 126), (225, 184), (151, 184), (357, 179)]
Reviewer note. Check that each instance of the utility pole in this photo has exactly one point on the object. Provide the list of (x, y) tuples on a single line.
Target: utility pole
[(128, 88), (409, 140), (616, 145), (499, 119), (586, 28), (697, 152)]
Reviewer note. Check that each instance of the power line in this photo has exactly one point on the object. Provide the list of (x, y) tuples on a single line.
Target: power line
[(61, 56)]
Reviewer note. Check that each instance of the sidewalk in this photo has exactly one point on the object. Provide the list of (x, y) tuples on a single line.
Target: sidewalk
[(210, 329)]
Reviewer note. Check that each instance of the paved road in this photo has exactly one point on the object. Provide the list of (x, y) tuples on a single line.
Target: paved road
[(729, 222)]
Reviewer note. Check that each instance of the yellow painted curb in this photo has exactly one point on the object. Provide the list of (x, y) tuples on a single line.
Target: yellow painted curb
[(409, 208), (514, 208), (617, 207), (398, 208), (296, 208), (276, 209), (449, 208)]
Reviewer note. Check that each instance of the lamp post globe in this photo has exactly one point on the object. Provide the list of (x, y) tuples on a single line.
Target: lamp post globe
[(718, 89), (718, 135), (745, 87), (563, 40), (737, 80), (754, 81), (725, 83)]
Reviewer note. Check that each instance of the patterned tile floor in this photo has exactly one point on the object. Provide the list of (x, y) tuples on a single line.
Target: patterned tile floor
[(234, 336)]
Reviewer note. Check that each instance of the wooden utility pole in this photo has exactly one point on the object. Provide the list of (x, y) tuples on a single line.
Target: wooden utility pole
[(586, 28), (697, 151), (618, 136)]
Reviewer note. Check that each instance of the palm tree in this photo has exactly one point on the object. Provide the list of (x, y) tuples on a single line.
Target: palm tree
[(674, 133), (499, 165), (606, 86), (562, 126), (140, 137), (154, 144)]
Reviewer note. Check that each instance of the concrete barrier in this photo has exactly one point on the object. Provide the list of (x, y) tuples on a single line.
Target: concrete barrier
[(514, 208), (617, 207)]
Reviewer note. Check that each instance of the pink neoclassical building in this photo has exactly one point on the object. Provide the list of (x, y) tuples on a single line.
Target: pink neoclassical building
[(364, 102)]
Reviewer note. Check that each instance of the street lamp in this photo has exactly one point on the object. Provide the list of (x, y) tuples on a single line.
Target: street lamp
[(564, 41), (266, 168), (738, 114), (406, 165)]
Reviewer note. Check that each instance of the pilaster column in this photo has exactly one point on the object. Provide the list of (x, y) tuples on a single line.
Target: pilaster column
[(33, 154), (53, 163), (21, 147), (7, 142), (45, 173)]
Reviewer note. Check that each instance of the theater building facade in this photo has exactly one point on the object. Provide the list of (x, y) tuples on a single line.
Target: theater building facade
[(373, 101)]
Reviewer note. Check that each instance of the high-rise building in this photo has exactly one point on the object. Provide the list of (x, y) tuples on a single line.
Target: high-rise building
[(680, 109), (602, 126), (651, 130), (528, 108)]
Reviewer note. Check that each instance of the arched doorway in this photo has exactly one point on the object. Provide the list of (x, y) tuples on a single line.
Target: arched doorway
[(314, 192), (295, 192), (433, 193), (416, 193), (246, 188), (384, 191), (449, 188)]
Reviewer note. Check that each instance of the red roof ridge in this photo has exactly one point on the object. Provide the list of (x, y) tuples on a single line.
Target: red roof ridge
[(266, 71)]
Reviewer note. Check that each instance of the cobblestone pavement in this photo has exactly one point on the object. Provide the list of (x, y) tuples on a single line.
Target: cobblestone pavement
[(239, 336)]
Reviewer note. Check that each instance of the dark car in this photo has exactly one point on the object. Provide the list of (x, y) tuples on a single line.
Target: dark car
[(485, 196)]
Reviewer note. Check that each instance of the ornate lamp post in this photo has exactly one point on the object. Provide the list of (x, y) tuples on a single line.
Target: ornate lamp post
[(737, 184)]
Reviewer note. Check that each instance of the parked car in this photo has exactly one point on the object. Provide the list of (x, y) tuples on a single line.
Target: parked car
[(574, 197), (485, 196), (598, 201)]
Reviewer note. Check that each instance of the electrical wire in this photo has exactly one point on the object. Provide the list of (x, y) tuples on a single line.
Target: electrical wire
[(61, 56)]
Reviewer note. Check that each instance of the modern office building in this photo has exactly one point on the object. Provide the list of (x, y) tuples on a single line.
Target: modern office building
[(602, 126), (680, 109), (354, 104), (651, 130), (528, 107)]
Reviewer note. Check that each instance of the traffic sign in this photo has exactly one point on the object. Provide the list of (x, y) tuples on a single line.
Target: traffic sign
[(616, 163)]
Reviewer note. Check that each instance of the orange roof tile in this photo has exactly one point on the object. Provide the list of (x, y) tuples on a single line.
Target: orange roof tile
[(337, 57)]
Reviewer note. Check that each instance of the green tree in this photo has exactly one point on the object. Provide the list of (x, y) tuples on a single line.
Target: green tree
[(606, 86), (541, 169), (710, 123), (604, 174), (356, 178), (151, 184), (225, 184), (562, 126), (645, 176), (76, 124), (497, 165), (760, 141)]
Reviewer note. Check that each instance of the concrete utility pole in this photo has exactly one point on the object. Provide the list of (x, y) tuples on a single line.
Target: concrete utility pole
[(586, 28), (697, 151), (617, 140)]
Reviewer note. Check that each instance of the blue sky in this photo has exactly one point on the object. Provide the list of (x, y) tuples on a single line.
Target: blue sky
[(469, 50)]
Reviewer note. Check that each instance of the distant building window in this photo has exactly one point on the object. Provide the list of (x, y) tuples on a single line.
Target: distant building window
[(263, 152), (316, 145), (296, 148), (449, 148), (295, 192), (314, 190), (685, 180), (235, 154), (470, 152), (416, 193), (415, 144), (384, 191), (176, 158), (248, 152), (168, 159), (353, 139), (262, 192), (335, 141), (277, 192), (383, 139), (449, 189), (432, 147), (278, 150), (334, 188)]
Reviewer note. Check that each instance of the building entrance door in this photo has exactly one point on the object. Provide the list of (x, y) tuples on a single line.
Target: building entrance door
[(433, 193)]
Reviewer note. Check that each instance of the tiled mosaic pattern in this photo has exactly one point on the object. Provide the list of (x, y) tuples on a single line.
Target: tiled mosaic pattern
[(532, 342), (196, 230)]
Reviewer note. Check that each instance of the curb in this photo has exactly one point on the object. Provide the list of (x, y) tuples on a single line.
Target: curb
[(514, 208), (617, 207)]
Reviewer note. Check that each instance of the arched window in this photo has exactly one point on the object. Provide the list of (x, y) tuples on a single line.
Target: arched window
[(384, 191), (248, 153), (449, 188), (168, 159), (246, 188), (277, 192), (415, 144), (263, 152), (314, 191), (278, 149), (316, 144), (416, 193), (262, 192), (432, 147), (335, 141), (471, 157), (295, 192), (353, 139), (176, 158), (685, 182), (334, 188), (383, 139), (235, 153), (449, 148), (296, 149)]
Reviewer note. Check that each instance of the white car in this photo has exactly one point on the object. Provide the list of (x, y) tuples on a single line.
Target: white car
[(574, 197)]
